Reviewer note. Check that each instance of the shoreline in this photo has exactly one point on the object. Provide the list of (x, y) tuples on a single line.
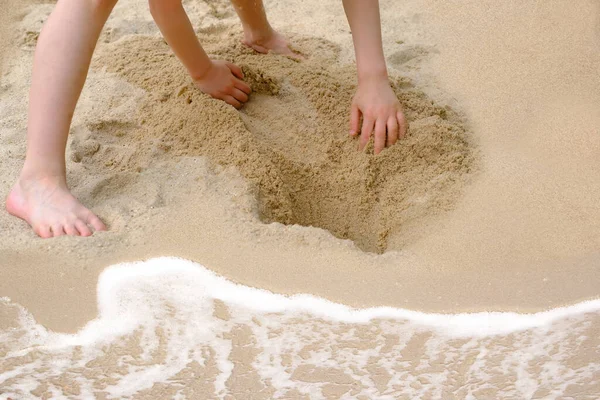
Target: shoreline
[(178, 328), (218, 288)]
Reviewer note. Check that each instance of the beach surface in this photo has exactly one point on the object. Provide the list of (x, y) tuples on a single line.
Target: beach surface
[(490, 204)]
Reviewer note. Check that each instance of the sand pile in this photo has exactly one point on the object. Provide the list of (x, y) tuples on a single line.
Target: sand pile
[(290, 140)]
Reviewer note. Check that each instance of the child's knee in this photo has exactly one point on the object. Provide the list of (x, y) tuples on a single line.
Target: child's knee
[(160, 6)]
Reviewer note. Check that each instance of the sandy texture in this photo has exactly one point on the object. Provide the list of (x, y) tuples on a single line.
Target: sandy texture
[(535, 208), (290, 141), (523, 233), (7, 19), (11, 12)]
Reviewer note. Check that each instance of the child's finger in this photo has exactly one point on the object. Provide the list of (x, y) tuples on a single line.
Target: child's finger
[(354, 120), (380, 135), (243, 86), (392, 130), (232, 101), (402, 124), (239, 95), (367, 129), (235, 70)]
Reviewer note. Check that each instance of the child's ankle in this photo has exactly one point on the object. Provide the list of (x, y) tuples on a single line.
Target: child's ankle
[(48, 175), (258, 35)]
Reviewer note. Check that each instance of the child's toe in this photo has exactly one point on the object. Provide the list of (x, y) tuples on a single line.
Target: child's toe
[(83, 229), (71, 230), (42, 231), (57, 230), (95, 222)]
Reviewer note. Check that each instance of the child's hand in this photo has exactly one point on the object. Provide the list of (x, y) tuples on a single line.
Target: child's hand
[(381, 113), (223, 81)]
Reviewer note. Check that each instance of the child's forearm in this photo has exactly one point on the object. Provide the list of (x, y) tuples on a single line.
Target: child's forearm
[(177, 30), (219, 79), (364, 20)]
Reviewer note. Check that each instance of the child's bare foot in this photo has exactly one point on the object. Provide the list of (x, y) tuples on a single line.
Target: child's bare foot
[(272, 41), (49, 207)]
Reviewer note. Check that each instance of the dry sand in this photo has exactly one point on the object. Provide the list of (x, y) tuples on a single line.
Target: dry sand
[(490, 204)]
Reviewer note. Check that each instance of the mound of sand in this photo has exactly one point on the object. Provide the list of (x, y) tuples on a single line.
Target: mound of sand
[(290, 140)]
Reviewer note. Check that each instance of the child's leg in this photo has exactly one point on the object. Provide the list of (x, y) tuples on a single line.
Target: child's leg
[(219, 79), (62, 58), (258, 33)]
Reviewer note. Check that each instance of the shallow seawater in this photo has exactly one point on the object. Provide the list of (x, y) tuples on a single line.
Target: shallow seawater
[(171, 329)]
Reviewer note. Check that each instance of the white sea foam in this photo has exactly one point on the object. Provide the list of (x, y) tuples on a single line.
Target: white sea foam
[(157, 325), (211, 285)]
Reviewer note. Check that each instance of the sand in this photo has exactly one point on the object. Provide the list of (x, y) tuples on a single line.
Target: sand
[(289, 142), (490, 204)]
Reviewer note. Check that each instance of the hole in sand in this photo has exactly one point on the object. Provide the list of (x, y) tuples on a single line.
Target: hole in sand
[(327, 184), (291, 140), (280, 117)]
